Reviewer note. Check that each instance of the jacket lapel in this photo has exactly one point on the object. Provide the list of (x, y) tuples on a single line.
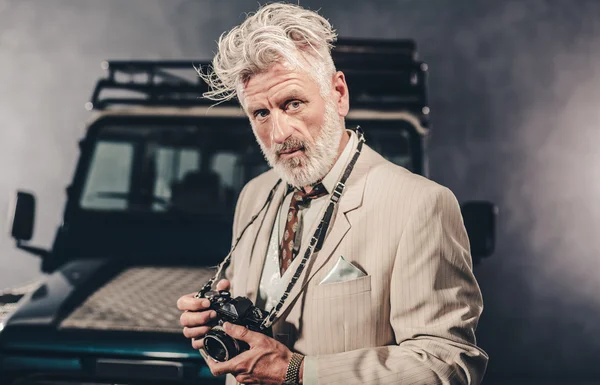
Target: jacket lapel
[(258, 253), (350, 200)]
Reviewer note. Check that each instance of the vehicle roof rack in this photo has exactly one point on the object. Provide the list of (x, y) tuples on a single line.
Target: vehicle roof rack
[(382, 74)]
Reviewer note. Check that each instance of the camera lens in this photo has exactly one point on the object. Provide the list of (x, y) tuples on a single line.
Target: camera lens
[(219, 345)]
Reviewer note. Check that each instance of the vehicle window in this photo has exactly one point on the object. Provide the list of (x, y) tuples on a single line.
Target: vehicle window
[(176, 168), (195, 169), (225, 165), (394, 145), (110, 166), (172, 166)]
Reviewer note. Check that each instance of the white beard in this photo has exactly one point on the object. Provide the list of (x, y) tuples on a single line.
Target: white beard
[(317, 158)]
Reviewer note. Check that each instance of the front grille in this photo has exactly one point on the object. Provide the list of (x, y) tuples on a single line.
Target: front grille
[(139, 299)]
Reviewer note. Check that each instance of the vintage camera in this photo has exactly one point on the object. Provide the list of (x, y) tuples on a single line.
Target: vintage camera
[(239, 311)]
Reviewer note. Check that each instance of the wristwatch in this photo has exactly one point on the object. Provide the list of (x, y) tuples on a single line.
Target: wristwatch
[(292, 375)]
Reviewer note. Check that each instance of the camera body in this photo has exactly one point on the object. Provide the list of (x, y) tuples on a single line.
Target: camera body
[(240, 311)]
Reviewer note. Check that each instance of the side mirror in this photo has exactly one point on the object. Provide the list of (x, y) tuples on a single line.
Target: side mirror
[(480, 221), (23, 217)]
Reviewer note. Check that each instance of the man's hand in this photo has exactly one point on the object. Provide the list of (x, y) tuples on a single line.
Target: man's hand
[(265, 362), (196, 319)]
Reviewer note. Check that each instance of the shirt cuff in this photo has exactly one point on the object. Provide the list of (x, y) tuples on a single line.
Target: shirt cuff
[(310, 375)]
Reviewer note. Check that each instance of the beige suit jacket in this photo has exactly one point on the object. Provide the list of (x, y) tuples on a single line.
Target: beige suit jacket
[(412, 318)]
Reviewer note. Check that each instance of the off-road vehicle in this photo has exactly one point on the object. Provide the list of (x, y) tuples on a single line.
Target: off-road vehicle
[(149, 212)]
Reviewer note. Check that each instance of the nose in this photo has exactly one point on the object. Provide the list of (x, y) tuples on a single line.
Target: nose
[(281, 130)]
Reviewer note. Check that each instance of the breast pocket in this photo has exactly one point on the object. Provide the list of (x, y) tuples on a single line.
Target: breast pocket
[(342, 319), (342, 289)]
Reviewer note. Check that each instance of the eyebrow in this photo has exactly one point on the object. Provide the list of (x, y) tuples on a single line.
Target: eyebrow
[(253, 109), (291, 95)]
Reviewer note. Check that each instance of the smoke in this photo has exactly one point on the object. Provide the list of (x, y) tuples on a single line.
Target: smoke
[(513, 91)]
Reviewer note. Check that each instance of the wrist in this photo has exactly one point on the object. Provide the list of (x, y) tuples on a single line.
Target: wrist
[(295, 370)]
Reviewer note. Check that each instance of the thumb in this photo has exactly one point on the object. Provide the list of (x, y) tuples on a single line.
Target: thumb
[(223, 284), (240, 332)]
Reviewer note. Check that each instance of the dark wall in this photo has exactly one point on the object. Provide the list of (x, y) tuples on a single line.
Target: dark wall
[(515, 101)]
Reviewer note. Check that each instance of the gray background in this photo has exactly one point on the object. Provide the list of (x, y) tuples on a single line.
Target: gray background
[(515, 100)]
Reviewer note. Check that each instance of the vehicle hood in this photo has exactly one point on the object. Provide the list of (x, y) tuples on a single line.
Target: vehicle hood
[(96, 307)]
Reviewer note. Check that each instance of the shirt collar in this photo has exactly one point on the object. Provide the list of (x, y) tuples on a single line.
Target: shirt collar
[(332, 177)]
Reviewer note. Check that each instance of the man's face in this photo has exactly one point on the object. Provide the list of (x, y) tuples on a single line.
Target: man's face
[(298, 131)]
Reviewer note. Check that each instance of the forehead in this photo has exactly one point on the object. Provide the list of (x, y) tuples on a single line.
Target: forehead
[(277, 82)]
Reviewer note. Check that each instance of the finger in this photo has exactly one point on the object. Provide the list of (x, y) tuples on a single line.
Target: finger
[(204, 354), (194, 319), (220, 368), (223, 284), (189, 302), (195, 332), (242, 333), (198, 343), (246, 379), (237, 366)]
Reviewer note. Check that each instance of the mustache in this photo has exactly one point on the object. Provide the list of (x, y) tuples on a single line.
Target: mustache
[(290, 144)]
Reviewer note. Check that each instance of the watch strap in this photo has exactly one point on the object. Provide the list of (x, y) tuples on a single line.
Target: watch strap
[(292, 375)]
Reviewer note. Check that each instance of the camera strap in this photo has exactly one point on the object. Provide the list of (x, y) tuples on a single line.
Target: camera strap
[(316, 241), (318, 238), (223, 265)]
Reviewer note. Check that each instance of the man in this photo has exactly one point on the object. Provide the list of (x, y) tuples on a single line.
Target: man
[(390, 297)]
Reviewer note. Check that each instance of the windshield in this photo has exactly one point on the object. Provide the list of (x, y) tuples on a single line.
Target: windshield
[(193, 167)]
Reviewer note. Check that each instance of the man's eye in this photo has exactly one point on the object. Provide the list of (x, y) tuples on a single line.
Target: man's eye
[(261, 113), (294, 105)]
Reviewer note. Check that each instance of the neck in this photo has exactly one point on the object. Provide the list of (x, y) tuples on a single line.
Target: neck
[(343, 142)]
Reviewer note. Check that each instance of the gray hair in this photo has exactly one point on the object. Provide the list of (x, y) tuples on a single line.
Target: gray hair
[(277, 32)]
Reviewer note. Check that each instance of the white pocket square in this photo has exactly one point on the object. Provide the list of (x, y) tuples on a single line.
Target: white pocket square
[(342, 271)]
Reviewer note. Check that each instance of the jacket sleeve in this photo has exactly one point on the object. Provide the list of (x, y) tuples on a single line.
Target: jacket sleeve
[(435, 304)]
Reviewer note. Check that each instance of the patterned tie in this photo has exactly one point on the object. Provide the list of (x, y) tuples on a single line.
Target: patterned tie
[(289, 248)]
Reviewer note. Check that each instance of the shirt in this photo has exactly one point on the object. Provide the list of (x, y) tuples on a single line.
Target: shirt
[(272, 285)]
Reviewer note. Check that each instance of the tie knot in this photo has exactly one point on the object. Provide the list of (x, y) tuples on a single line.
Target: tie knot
[(302, 198)]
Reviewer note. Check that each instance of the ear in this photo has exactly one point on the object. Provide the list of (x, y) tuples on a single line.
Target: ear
[(340, 93)]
